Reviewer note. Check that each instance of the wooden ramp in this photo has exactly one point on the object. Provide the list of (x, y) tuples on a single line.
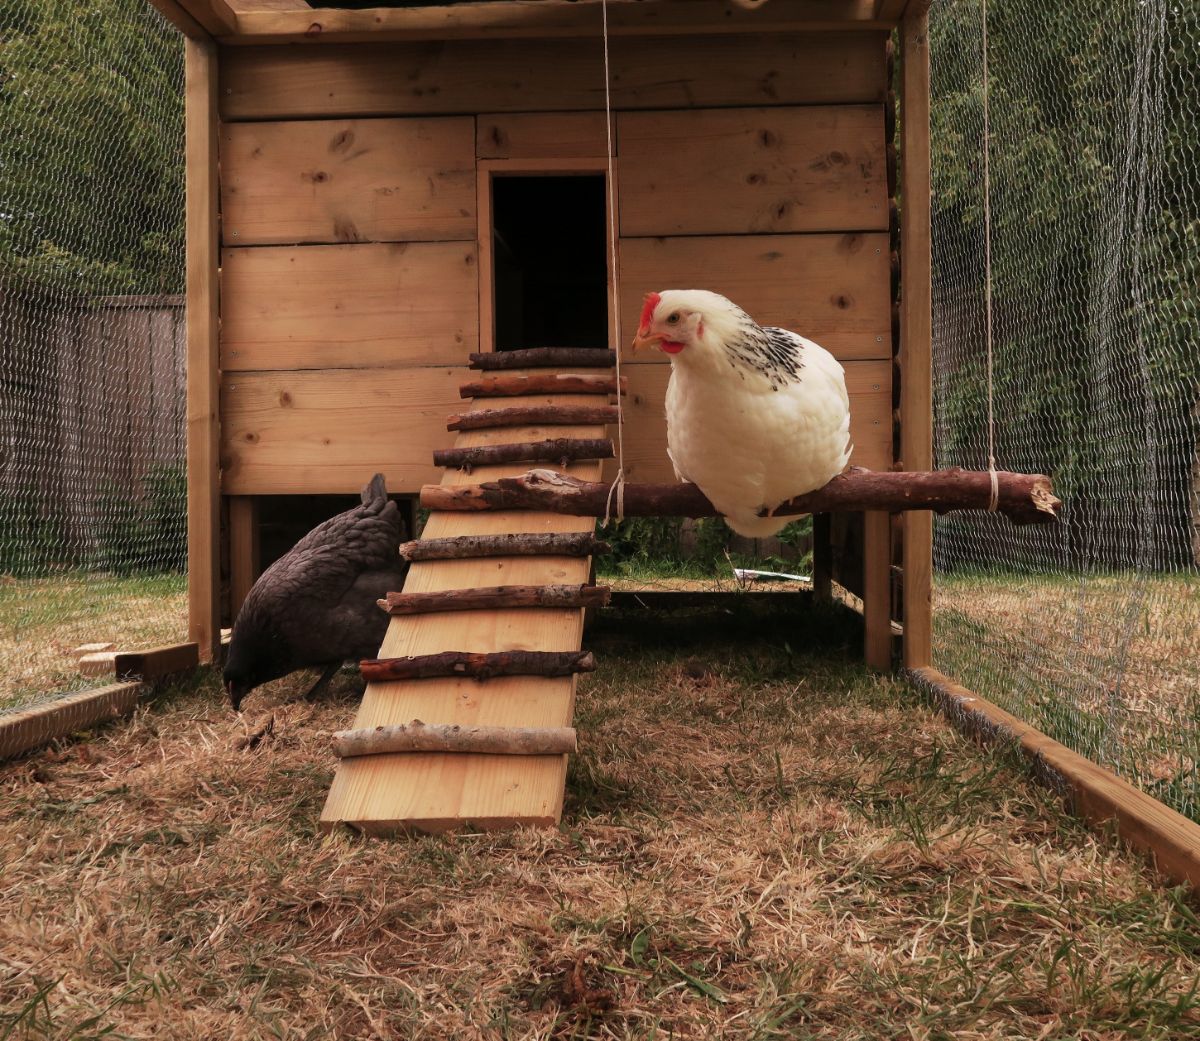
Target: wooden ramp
[(432, 791)]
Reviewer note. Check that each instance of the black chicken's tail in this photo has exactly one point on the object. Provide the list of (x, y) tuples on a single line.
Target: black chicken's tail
[(375, 493)]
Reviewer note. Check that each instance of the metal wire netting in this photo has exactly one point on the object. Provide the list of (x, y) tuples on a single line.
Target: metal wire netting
[(1089, 630), (92, 477)]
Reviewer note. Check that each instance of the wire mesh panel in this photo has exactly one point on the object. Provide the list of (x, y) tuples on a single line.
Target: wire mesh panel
[(92, 477), (1089, 630)]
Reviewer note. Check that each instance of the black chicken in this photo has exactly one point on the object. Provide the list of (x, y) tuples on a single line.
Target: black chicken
[(315, 606)]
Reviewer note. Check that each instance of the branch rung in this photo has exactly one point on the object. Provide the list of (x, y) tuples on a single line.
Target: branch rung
[(462, 547), (449, 737), (534, 415), (541, 383), (495, 598), (546, 358), (478, 666), (561, 450)]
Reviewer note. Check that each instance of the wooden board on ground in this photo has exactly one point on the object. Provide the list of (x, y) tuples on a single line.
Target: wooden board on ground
[(326, 431), (370, 180), (385, 305), (760, 170), (834, 289), (435, 791), (550, 75), (868, 383)]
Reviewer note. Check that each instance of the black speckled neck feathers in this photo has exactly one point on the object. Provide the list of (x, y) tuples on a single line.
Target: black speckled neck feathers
[(777, 355)]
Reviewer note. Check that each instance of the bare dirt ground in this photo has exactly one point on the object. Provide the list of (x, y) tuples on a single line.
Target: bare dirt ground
[(761, 840)]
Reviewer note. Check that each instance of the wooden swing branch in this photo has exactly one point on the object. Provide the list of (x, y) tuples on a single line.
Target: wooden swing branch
[(1022, 498), (495, 598), (545, 358), (534, 415)]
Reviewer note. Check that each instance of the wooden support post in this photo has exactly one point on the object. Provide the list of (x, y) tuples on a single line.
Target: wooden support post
[(490, 598), (877, 589), (243, 549), (446, 737), (477, 666), (546, 358), (461, 547), (534, 415), (1023, 499), (203, 253), (541, 383), (822, 565), (561, 450), (916, 324)]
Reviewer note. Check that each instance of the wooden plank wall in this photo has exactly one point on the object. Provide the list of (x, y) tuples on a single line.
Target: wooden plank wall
[(750, 165)]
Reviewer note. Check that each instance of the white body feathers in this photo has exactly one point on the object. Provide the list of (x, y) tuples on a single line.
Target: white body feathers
[(753, 433)]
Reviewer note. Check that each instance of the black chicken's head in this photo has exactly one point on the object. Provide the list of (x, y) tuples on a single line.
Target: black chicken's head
[(255, 658)]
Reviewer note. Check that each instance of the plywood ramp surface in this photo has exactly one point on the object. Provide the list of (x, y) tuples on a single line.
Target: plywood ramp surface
[(384, 794)]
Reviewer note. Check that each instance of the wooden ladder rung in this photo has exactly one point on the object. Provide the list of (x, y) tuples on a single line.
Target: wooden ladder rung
[(546, 358), (477, 666), (534, 415), (541, 383), (553, 450), (496, 598), (454, 737), (464, 547)]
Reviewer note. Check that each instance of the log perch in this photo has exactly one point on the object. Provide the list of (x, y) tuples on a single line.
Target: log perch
[(478, 666), (494, 598), (541, 383), (546, 358), (534, 415), (463, 547), (561, 450), (449, 737), (1023, 499)]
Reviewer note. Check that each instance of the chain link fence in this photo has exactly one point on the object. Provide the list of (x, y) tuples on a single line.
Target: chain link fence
[(92, 423), (1089, 630)]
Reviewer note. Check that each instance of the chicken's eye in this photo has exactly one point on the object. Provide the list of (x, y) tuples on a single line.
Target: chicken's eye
[(673, 319)]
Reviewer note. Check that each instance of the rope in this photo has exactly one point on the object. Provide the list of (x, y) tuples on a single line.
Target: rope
[(618, 486), (994, 504)]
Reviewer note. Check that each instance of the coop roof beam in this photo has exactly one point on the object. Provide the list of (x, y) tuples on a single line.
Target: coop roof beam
[(518, 18)]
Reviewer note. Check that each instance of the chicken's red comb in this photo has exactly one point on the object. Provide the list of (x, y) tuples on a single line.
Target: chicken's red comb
[(652, 301)]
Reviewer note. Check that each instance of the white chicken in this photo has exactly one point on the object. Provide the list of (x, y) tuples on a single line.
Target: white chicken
[(755, 416)]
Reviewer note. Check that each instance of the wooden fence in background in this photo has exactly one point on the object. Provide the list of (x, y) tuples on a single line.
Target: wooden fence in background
[(92, 401)]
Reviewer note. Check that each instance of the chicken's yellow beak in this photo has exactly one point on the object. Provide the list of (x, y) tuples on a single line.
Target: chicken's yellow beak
[(646, 340)]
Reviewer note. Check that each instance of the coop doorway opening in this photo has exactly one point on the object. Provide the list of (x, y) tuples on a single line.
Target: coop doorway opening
[(550, 261)]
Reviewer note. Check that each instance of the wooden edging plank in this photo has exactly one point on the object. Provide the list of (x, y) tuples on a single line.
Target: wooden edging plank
[(1094, 793), (157, 662), (26, 730)]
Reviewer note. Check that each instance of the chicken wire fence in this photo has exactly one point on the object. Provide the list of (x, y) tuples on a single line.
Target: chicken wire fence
[(1089, 630), (92, 421)]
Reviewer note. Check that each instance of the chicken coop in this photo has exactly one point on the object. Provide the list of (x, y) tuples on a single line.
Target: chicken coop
[(375, 195)]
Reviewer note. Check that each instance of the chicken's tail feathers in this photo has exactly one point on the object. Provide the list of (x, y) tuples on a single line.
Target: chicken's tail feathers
[(375, 493)]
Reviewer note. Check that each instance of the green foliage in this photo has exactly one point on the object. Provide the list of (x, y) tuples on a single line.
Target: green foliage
[(31, 538), (90, 183), (146, 534)]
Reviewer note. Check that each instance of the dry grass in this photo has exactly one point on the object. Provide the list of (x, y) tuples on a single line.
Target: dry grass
[(43, 619), (760, 841), (1107, 664)]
